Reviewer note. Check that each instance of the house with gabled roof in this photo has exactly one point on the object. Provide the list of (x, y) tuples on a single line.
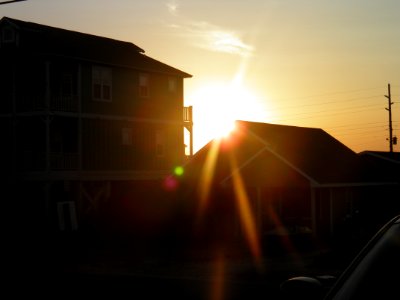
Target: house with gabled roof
[(296, 180), (87, 122), (384, 163)]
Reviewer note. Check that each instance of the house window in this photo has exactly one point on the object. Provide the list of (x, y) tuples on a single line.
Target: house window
[(172, 84), (160, 143), (144, 83), (8, 35), (127, 136), (102, 83)]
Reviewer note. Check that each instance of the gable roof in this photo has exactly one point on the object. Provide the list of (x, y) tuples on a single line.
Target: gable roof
[(311, 150), (280, 151), (43, 39)]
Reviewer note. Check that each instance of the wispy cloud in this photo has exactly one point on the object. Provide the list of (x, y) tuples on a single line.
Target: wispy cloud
[(172, 7), (209, 36), (230, 42), (214, 38)]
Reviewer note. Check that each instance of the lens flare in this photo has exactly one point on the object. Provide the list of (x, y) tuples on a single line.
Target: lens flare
[(245, 212), (207, 176), (170, 183), (179, 170), (217, 289)]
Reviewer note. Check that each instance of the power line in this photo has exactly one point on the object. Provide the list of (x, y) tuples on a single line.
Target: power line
[(350, 125), (316, 116), (8, 2), (371, 130), (360, 133), (332, 93), (329, 102), (359, 128), (337, 110)]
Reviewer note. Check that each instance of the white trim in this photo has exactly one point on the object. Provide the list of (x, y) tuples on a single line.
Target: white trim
[(313, 182), (223, 181), (380, 157), (268, 148)]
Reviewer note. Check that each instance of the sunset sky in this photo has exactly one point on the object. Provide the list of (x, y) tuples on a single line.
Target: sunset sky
[(314, 63)]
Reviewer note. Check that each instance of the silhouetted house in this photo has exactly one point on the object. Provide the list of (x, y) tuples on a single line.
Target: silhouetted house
[(296, 181), (386, 164), (89, 125)]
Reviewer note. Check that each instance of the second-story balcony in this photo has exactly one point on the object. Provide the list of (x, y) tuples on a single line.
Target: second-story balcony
[(64, 103), (38, 102), (188, 115), (30, 102), (64, 161), (36, 161)]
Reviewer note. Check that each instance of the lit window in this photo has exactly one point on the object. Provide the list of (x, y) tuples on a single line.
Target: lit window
[(102, 83), (144, 85)]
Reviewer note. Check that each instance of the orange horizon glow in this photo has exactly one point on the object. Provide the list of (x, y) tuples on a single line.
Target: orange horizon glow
[(302, 61)]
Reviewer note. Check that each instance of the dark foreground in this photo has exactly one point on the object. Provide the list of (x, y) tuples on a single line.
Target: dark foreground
[(128, 271)]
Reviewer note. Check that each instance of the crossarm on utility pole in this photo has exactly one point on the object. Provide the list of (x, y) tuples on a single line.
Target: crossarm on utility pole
[(390, 119)]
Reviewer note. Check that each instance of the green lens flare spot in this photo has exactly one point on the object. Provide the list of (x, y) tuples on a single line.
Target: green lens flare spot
[(179, 171)]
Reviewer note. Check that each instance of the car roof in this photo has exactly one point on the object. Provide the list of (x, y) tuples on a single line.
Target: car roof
[(374, 271)]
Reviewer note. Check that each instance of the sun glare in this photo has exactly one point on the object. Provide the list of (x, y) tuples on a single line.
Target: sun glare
[(224, 128), (218, 106)]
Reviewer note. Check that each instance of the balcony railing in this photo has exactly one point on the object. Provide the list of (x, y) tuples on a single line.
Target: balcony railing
[(188, 114), (62, 103), (64, 161), (36, 161), (38, 103), (31, 102)]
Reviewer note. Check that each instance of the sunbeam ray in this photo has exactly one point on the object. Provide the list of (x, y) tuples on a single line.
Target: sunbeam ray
[(207, 176), (245, 213), (217, 289)]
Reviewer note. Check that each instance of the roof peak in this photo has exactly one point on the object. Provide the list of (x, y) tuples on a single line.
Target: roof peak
[(275, 125), (34, 26), (57, 41)]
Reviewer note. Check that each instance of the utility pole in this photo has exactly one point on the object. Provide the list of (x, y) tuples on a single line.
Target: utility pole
[(390, 119)]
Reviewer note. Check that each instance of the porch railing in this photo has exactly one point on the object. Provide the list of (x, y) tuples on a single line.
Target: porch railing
[(36, 161), (64, 161), (28, 103), (188, 114), (62, 103)]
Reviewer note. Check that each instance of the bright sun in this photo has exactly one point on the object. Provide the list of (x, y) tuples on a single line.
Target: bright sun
[(216, 108)]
